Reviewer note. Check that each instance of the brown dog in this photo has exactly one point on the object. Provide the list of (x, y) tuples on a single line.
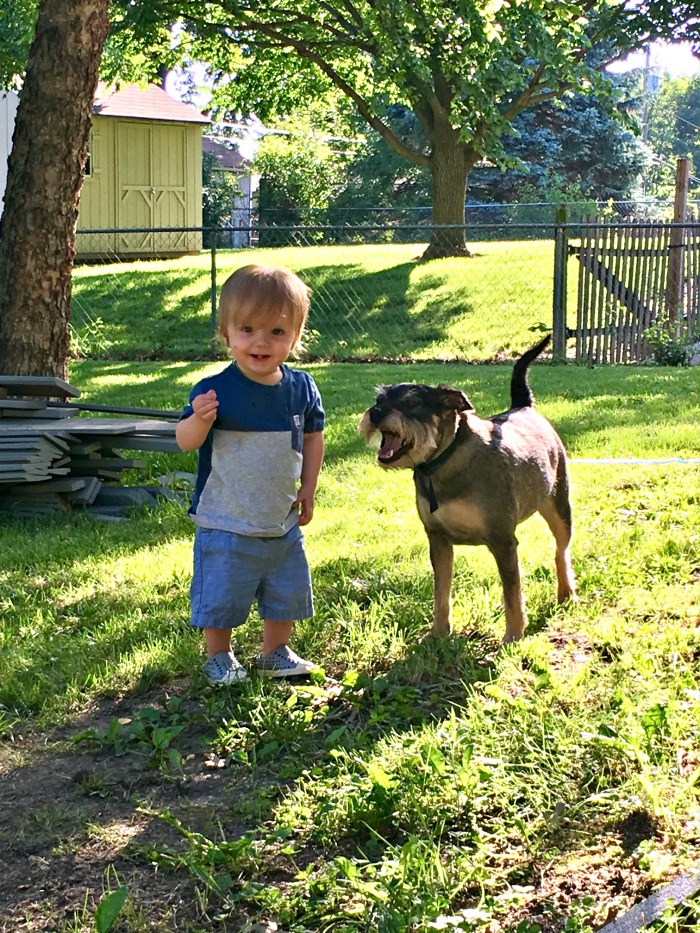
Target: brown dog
[(477, 479)]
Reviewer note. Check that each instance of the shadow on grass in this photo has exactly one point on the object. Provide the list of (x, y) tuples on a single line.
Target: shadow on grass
[(269, 737), (165, 313), (69, 622), (144, 313), (358, 313)]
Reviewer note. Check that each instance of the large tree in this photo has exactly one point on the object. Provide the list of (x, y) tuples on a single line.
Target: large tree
[(576, 145), (467, 68), (672, 133), (43, 185)]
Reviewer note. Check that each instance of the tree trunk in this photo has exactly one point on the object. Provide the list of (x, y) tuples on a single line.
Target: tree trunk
[(45, 173), (450, 163)]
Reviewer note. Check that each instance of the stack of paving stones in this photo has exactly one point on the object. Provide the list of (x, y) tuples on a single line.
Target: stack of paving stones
[(54, 459)]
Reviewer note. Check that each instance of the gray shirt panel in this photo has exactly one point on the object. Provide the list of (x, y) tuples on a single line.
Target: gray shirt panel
[(252, 484)]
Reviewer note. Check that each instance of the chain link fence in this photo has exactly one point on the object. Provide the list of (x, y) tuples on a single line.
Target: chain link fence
[(152, 294), (484, 221)]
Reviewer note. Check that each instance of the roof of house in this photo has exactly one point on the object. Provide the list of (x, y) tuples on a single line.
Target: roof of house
[(144, 103), (228, 156)]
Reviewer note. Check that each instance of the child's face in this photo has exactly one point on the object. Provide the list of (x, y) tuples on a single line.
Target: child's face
[(260, 344)]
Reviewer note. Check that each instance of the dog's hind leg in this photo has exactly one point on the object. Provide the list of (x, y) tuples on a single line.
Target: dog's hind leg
[(505, 552), (442, 560), (557, 513)]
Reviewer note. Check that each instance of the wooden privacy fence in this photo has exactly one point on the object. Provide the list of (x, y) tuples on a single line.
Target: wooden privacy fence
[(632, 275)]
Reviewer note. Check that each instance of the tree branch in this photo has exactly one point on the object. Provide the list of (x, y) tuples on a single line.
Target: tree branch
[(289, 19), (525, 97), (280, 39), (359, 23)]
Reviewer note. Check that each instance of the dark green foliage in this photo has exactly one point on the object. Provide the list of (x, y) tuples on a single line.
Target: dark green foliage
[(673, 133), (559, 145), (219, 188), (378, 177)]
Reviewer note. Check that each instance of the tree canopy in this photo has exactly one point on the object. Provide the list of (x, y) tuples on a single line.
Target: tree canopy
[(672, 121), (466, 68), (18, 18)]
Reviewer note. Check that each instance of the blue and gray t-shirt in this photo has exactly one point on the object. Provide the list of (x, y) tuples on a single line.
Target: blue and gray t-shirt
[(250, 463)]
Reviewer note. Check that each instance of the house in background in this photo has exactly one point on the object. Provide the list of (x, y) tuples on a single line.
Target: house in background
[(143, 171), (9, 102), (243, 204)]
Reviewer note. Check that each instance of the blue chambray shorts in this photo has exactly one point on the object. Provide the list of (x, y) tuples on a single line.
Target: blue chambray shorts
[(233, 571)]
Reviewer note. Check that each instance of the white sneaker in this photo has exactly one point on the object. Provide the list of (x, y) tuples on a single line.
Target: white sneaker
[(283, 662), (224, 669)]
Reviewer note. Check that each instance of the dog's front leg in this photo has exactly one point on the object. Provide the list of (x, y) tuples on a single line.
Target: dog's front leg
[(505, 552), (442, 559)]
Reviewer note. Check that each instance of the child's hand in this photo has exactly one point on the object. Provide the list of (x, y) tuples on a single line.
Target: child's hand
[(305, 502), (205, 406)]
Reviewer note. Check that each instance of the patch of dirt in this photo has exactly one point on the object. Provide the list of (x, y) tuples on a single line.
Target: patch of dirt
[(68, 812), (571, 650), (603, 891), (597, 882)]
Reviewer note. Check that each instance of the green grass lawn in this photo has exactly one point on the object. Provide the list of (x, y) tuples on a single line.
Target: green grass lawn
[(418, 783), (373, 300)]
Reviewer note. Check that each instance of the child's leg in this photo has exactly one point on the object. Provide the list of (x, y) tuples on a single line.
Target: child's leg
[(221, 595), (217, 640), (284, 595), (275, 634), (277, 658)]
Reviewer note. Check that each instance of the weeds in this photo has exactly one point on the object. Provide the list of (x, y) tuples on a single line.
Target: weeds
[(151, 733)]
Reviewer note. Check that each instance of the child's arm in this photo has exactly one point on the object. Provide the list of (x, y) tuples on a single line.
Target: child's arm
[(312, 454), (190, 433)]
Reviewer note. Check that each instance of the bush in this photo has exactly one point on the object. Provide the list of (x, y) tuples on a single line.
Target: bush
[(670, 347)]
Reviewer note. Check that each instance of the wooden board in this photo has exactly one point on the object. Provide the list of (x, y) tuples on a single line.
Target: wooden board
[(43, 413), (167, 445), (69, 484), (86, 466), (53, 446), (126, 496)]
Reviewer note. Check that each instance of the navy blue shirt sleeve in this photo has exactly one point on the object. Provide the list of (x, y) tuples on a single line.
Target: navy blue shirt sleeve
[(314, 416)]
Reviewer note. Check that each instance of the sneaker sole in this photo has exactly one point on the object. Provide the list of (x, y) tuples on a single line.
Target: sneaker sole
[(228, 682), (279, 675)]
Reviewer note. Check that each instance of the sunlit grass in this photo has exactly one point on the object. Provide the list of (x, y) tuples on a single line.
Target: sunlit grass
[(418, 778), (367, 300)]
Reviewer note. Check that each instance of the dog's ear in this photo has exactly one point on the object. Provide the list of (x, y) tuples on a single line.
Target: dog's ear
[(454, 399)]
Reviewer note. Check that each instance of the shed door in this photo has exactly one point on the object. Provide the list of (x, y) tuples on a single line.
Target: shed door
[(151, 188), (169, 176)]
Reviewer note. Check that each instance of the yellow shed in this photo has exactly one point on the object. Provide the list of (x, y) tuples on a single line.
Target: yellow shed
[(143, 171)]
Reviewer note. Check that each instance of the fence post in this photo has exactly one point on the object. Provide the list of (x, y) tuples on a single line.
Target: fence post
[(674, 282), (214, 306), (561, 257)]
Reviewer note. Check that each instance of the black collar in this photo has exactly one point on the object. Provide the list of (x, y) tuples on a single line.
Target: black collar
[(421, 473)]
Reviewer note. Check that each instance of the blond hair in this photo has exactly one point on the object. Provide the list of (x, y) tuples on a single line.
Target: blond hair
[(264, 291)]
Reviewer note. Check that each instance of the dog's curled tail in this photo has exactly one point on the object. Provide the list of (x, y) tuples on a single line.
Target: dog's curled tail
[(520, 394)]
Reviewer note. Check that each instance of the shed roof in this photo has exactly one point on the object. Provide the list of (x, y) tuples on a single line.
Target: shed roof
[(228, 156), (144, 103)]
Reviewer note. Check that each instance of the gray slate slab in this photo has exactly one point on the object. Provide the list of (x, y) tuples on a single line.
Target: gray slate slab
[(46, 386)]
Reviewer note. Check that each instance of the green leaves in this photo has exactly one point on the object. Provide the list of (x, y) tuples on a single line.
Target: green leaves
[(18, 18), (109, 908)]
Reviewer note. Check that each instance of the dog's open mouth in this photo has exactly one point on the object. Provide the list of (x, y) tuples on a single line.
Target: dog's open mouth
[(392, 448)]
